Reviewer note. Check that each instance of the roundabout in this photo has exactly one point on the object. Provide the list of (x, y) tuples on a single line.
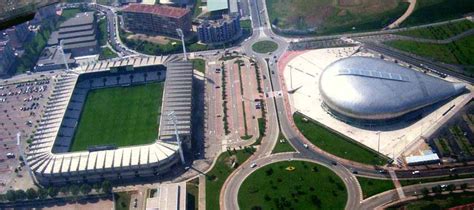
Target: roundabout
[(293, 184), (265, 46)]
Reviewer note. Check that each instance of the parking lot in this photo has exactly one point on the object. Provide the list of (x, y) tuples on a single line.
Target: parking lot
[(21, 105)]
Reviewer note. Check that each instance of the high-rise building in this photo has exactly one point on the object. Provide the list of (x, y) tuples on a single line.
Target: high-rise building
[(220, 31), (78, 35), (157, 19)]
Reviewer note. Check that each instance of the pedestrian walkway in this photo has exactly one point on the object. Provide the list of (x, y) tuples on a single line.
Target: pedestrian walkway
[(397, 184), (202, 192)]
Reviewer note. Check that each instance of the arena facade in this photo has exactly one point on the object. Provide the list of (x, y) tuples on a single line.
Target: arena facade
[(368, 89), (48, 155), (370, 98)]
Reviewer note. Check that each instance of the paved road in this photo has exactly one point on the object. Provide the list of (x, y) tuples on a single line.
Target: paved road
[(278, 118), (277, 111), (405, 15)]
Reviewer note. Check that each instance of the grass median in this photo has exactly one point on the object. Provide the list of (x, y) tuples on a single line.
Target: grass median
[(372, 187), (264, 46), (292, 185), (336, 144)]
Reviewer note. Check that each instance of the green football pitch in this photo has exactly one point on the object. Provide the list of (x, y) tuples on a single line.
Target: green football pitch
[(120, 116)]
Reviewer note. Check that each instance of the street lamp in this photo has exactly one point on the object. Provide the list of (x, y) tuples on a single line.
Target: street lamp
[(61, 48), (378, 144), (20, 150), (172, 118), (180, 33)]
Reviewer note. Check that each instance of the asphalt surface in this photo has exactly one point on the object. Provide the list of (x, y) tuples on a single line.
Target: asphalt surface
[(277, 112), (278, 119)]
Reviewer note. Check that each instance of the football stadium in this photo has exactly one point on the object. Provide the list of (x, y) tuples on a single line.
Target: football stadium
[(377, 101), (114, 120)]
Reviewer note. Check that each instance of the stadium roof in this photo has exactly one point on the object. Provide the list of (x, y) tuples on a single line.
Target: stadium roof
[(161, 10), (216, 5), (373, 89), (177, 99)]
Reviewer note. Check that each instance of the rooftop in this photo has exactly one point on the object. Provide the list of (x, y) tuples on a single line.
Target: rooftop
[(216, 5), (84, 18), (167, 11), (373, 89)]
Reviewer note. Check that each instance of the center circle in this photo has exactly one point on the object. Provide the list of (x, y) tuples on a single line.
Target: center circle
[(266, 46), (292, 185)]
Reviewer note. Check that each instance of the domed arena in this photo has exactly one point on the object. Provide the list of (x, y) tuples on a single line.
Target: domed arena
[(371, 89)]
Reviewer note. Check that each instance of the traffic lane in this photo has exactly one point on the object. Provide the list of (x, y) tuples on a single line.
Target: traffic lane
[(434, 172)]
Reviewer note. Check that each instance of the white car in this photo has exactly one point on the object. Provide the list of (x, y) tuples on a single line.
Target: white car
[(253, 165), (415, 172), (305, 146)]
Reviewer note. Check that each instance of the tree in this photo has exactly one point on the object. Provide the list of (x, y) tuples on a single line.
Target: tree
[(11, 195), (451, 187), (106, 187), (437, 189), (52, 192), (64, 190), (85, 189), (425, 192), (74, 189), (42, 193), (31, 194), (20, 194), (97, 187)]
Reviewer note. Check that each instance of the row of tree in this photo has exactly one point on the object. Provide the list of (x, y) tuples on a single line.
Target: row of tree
[(438, 189), (53, 192)]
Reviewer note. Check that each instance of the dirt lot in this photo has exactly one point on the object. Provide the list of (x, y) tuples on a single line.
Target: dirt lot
[(153, 39)]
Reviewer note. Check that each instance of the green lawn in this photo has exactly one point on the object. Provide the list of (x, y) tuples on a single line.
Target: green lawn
[(102, 32), (440, 32), (219, 173), (438, 202), (122, 116), (307, 186), (107, 53), (372, 187), (199, 64), (458, 52), (429, 11), (336, 144), (122, 201), (264, 46), (407, 182), (282, 145), (319, 17)]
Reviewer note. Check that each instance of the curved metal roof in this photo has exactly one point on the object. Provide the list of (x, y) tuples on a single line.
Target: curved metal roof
[(373, 89)]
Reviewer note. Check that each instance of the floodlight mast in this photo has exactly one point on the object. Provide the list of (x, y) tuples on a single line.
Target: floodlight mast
[(61, 44), (180, 34), (22, 155), (172, 117)]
